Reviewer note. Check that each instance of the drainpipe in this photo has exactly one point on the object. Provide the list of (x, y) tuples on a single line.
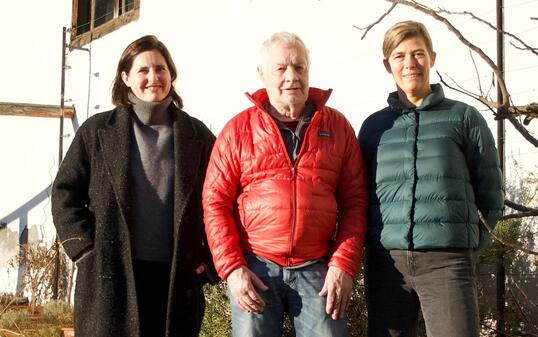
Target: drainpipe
[(500, 268)]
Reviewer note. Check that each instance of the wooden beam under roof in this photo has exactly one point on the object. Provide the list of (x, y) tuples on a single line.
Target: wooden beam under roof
[(35, 110)]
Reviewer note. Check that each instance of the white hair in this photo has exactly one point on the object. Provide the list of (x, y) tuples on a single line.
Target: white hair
[(286, 38)]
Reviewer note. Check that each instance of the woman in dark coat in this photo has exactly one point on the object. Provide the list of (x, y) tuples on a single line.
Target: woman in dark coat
[(127, 206)]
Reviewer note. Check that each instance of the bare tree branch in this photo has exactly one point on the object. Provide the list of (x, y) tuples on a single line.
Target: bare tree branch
[(523, 293), (534, 50), (524, 211), (370, 26), (520, 309), (519, 215), (530, 111), (460, 88), (477, 74), (518, 207), (490, 105), (493, 105), (501, 240), (525, 46), (522, 130)]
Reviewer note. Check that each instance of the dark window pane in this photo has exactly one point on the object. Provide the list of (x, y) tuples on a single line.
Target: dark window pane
[(129, 4), (104, 11), (83, 16)]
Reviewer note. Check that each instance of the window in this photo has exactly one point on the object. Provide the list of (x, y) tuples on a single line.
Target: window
[(94, 18)]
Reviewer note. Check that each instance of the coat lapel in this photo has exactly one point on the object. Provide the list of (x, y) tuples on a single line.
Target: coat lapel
[(115, 141), (187, 153)]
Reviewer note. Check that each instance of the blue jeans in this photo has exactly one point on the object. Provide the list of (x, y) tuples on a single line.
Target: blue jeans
[(441, 283), (293, 291)]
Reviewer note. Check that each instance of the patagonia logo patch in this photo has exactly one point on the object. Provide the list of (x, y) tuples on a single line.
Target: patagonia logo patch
[(325, 134)]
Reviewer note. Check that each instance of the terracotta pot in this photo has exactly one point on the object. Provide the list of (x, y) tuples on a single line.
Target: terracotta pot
[(68, 332)]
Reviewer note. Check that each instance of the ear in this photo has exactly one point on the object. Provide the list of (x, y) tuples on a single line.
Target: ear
[(260, 71), (125, 78), (433, 56), (387, 66)]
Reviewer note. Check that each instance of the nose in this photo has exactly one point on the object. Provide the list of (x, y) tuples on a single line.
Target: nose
[(290, 74), (152, 75), (410, 61)]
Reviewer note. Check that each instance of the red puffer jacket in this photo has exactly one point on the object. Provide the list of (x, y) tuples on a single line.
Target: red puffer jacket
[(255, 200)]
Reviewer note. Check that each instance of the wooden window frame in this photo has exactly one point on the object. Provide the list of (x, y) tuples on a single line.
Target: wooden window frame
[(79, 40)]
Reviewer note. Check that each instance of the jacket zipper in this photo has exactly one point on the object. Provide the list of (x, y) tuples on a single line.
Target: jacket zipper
[(294, 195), (409, 237), (293, 212)]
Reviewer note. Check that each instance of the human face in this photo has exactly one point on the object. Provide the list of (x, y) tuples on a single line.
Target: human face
[(410, 63), (149, 77), (284, 73)]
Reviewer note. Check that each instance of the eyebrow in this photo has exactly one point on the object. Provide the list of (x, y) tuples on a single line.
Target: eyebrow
[(414, 50), (286, 63)]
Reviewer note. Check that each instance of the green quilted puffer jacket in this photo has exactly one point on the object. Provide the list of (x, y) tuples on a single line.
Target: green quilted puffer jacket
[(430, 169)]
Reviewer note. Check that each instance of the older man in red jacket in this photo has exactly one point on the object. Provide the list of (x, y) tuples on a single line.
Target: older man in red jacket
[(285, 203)]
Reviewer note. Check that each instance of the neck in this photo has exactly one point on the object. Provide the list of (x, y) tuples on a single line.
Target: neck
[(287, 113), (151, 113), (412, 100)]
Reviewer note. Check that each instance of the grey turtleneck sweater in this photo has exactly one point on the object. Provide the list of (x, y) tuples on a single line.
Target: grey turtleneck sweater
[(152, 163)]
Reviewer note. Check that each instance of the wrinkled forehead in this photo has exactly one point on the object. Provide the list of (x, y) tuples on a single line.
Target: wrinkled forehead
[(285, 52)]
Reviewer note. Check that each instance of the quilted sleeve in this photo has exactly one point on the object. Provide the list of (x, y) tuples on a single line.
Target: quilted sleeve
[(352, 201), (486, 177), (219, 195)]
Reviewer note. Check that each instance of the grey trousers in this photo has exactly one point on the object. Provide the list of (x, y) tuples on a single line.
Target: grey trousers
[(442, 283)]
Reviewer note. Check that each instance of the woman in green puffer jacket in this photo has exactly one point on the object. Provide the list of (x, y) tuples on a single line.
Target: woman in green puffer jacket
[(432, 165)]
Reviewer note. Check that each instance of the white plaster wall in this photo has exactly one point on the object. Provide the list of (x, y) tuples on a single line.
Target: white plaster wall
[(29, 155), (215, 46)]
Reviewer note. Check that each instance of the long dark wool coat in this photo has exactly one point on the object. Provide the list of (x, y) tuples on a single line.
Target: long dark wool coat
[(91, 207)]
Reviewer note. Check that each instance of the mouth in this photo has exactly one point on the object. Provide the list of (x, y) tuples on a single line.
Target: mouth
[(412, 75), (291, 89), (153, 87)]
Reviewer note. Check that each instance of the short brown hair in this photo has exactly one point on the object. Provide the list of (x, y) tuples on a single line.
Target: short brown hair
[(120, 92), (402, 31)]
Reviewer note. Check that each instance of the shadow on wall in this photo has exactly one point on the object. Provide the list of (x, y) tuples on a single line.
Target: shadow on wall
[(11, 240)]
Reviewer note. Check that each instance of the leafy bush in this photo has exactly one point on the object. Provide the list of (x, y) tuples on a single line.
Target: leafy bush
[(217, 319), (14, 319), (58, 312)]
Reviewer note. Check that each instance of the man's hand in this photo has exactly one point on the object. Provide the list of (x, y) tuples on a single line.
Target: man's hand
[(338, 287), (242, 282)]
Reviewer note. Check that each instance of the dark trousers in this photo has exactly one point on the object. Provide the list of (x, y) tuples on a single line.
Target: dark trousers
[(152, 280), (441, 283)]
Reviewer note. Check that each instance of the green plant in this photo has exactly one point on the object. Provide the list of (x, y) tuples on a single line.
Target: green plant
[(14, 320), (45, 331), (17, 322), (58, 312), (513, 268), (217, 318)]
